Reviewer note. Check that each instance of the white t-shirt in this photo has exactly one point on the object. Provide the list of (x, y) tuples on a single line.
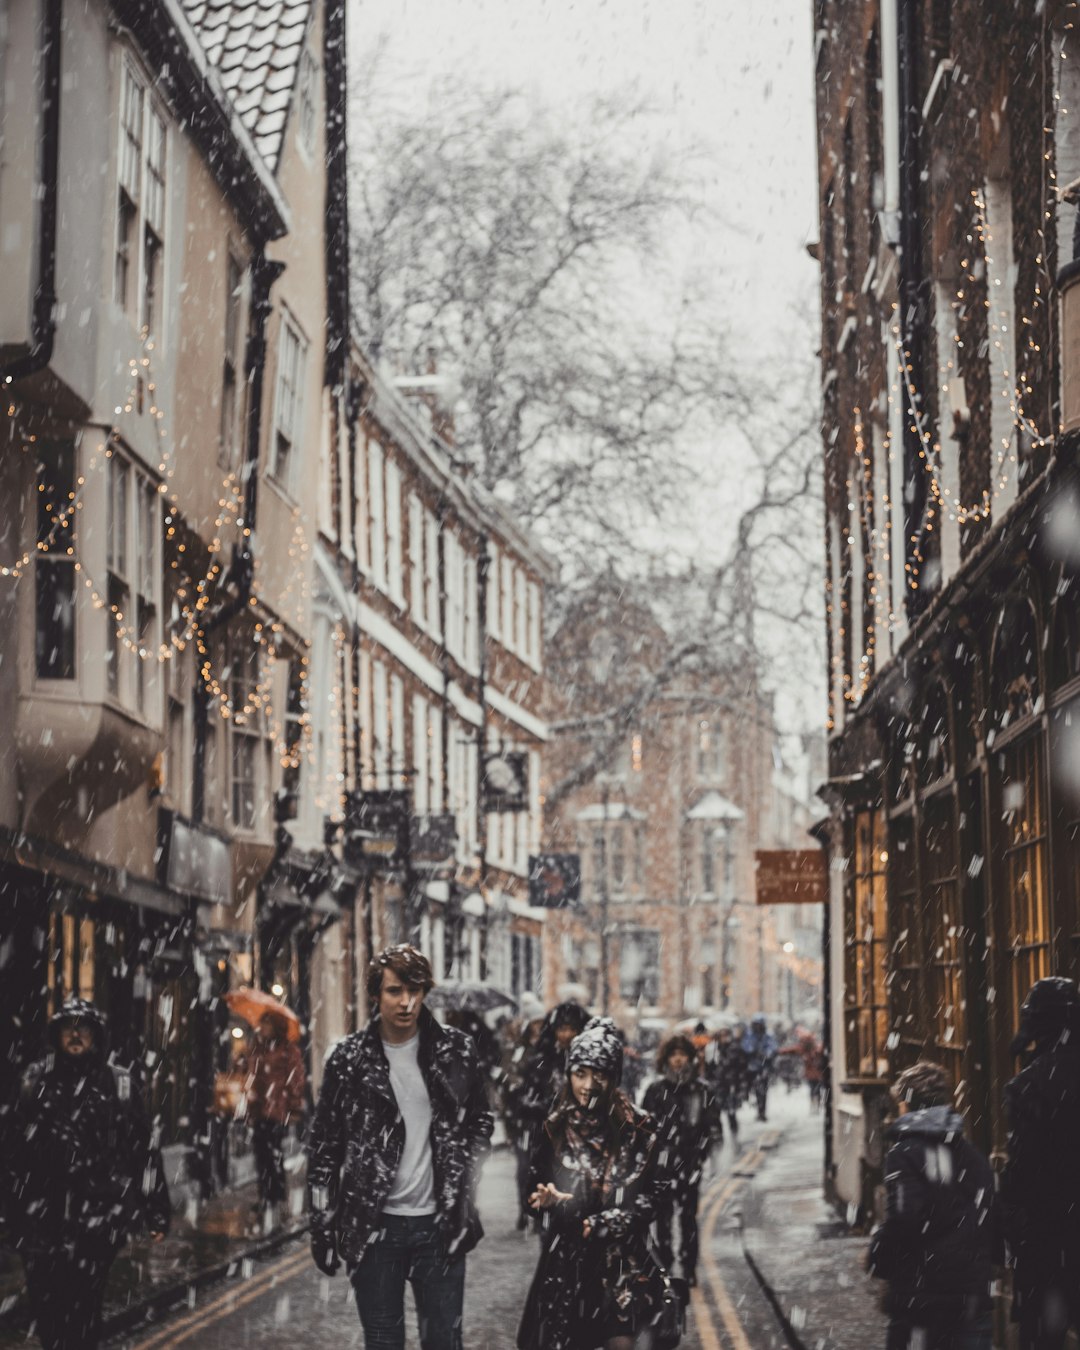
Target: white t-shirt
[(413, 1191)]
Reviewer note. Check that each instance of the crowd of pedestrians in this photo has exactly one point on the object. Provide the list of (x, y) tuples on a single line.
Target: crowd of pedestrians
[(609, 1178)]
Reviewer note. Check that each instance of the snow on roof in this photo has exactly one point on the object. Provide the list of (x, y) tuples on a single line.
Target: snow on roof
[(611, 811), (255, 46), (713, 806)]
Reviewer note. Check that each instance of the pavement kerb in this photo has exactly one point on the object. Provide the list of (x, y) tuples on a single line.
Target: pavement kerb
[(166, 1297)]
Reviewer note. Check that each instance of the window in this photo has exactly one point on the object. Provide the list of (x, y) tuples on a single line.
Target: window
[(133, 525), (520, 617), (1027, 899), (867, 949), (494, 626), (421, 779), (637, 754), (397, 729), (381, 722), (377, 500), (708, 863), (598, 860), (293, 758), (639, 856), (710, 749), (175, 755), (395, 583), (639, 966), (288, 405), (307, 121), (618, 858), (229, 440), (534, 625), (455, 598), (54, 568), (245, 731), (141, 201), (154, 223), (944, 969), (417, 598), (431, 572), (507, 602), (470, 646), (435, 760)]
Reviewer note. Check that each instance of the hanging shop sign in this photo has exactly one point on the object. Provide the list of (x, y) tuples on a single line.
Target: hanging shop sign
[(433, 840), (506, 781), (193, 859), (377, 827), (555, 880), (791, 876)]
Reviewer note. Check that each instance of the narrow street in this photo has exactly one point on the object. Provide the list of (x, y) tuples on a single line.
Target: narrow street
[(285, 1302)]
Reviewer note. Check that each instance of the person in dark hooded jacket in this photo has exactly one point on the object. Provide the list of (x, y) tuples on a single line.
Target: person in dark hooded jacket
[(688, 1123), (400, 1130), (937, 1245), (537, 1081), (596, 1180), (82, 1174), (1040, 1185)]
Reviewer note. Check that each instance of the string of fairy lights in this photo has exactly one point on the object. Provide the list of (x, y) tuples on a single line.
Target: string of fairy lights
[(193, 591), (1013, 426)]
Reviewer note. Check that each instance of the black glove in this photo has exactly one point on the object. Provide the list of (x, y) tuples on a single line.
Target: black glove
[(324, 1252)]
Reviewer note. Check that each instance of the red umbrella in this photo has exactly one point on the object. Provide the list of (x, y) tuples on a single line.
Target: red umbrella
[(254, 1004)]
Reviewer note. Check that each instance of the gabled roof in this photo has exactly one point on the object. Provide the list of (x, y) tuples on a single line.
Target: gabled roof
[(255, 46)]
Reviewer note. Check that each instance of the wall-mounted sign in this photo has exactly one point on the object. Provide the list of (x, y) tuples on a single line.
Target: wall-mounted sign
[(791, 876), (193, 859), (433, 840), (506, 781), (555, 880), (377, 827)]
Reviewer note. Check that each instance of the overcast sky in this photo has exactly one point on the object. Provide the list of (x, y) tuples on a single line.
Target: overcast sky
[(734, 77)]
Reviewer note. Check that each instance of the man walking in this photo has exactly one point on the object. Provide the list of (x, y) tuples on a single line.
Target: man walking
[(400, 1130), (80, 1175), (1040, 1186), (937, 1245)]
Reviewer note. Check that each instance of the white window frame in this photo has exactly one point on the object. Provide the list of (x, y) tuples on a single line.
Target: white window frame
[(520, 617), (397, 730), (417, 592), (431, 572), (421, 749), (435, 759), (134, 585), (380, 693), (534, 624), (288, 402), (233, 385), (494, 616), (394, 573), (247, 734), (141, 202), (470, 644), (376, 513), (507, 623)]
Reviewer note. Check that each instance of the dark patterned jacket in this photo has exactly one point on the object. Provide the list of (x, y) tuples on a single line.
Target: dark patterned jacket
[(688, 1123), (358, 1134), (585, 1289), (78, 1163)]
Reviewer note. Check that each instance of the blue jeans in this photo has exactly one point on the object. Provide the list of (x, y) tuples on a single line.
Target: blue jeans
[(977, 1334), (409, 1249)]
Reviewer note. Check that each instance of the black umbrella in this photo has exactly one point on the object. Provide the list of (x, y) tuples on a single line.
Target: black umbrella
[(468, 996)]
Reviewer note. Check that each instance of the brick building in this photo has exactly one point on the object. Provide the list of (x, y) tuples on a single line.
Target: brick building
[(948, 363), (430, 647), (681, 792)]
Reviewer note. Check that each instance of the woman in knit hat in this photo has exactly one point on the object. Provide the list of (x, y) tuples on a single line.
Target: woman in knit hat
[(595, 1180)]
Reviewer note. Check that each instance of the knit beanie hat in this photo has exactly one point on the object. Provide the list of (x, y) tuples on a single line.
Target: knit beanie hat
[(599, 1047)]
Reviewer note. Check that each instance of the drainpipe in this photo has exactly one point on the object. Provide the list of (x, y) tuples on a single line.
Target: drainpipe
[(264, 272), (482, 569), (43, 313), (913, 298)]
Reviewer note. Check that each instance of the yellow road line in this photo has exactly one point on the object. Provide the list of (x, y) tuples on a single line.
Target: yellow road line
[(728, 1314), (244, 1297), (258, 1283)]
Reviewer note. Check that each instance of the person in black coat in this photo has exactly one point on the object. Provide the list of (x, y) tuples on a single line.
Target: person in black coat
[(727, 1072), (596, 1180), (688, 1123), (81, 1174), (937, 1245), (1040, 1185), (537, 1079), (401, 1128)]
